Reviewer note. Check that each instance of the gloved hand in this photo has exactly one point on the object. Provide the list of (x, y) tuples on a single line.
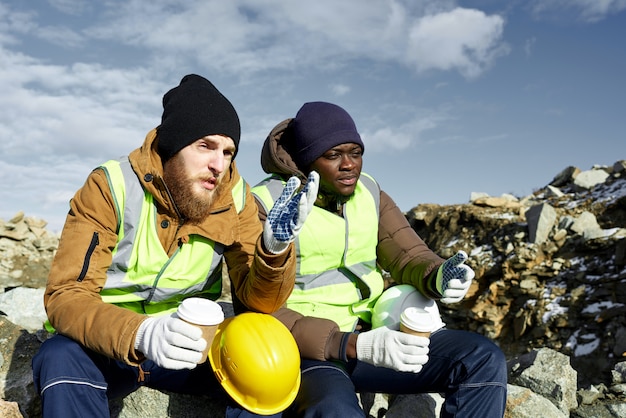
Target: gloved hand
[(170, 342), (454, 278), (396, 350), (290, 210)]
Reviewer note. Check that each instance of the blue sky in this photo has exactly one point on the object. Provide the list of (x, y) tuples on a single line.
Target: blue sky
[(450, 97)]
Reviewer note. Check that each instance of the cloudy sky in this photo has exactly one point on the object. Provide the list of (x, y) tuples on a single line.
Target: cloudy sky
[(451, 97)]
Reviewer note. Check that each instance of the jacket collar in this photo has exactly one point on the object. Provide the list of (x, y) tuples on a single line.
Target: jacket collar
[(147, 164)]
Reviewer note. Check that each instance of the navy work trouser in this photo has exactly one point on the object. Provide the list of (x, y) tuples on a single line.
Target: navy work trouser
[(466, 368), (73, 381)]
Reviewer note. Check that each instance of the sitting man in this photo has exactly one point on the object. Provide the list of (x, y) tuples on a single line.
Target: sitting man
[(354, 231), (144, 233)]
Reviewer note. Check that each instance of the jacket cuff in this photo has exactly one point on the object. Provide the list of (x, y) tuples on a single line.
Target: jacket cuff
[(431, 285), (271, 259), (336, 346)]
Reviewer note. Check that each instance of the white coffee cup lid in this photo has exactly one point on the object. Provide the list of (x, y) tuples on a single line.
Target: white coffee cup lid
[(418, 319), (201, 311)]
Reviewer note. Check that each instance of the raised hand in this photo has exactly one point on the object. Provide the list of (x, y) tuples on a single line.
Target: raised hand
[(285, 219)]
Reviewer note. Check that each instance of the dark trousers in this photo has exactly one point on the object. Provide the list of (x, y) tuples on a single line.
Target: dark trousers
[(468, 369), (73, 381)]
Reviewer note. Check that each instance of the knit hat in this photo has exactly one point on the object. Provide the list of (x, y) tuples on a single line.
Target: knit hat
[(318, 127), (193, 110)]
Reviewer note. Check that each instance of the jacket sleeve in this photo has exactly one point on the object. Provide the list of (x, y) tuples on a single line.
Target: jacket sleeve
[(403, 253), (78, 273), (317, 338), (266, 284)]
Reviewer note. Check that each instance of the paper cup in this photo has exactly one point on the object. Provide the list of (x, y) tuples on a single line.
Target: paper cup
[(417, 321), (203, 313)]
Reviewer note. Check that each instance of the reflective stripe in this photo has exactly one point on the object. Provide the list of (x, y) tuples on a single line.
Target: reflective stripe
[(239, 195), (142, 277), (72, 382), (337, 276)]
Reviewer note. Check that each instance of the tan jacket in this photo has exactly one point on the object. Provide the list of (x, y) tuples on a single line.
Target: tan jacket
[(400, 251), (75, 308)]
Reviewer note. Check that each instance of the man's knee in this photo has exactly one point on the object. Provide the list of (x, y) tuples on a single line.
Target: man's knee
[(491, 361), (60, 356)]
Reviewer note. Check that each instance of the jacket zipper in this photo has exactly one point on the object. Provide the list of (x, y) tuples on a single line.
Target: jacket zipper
[(92, 247)]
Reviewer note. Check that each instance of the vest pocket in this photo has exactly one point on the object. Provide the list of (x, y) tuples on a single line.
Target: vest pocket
[(92, 246)]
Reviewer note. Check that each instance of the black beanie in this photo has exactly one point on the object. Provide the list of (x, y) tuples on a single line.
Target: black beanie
[(318, 127), (193, 110)]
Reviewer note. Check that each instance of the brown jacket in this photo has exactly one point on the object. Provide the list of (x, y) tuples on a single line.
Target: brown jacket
[(400, 251), (75, 308)]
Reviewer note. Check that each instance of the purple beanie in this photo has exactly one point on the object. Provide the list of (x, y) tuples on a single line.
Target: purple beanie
[(318, 127), (193, 110)]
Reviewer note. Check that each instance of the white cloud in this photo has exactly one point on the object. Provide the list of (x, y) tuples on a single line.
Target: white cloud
[(405, 135), (462, 39), (60, 35), (249, 36), (14, 23), (82, 81), (590, 11), (70, 7), (529, 45), (69, 110), (340, 89)]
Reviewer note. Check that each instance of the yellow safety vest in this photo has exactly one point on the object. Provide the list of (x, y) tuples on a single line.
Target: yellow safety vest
[(337, 276), (142, 277)]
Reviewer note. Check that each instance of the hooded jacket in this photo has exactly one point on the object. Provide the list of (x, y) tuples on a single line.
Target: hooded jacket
[(75, 307), (400, 251)]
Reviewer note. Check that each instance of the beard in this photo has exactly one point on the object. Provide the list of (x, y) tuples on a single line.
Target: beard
[(193, 205)]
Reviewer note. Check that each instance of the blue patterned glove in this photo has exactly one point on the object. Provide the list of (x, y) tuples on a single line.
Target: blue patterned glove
[(454, 278), (289, 212)]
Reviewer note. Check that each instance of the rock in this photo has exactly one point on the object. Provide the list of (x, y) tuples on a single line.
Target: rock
[(504, 201), (23, 306), (620, 343), (522, 402), (554, 191), (10, 410), (566, 176), (587, 226), (146, 402), (604, 410), (17, 348), (618, 374), (547, 373), (564, 294), (541, 219), (588, 179), (477, 195), (588, 396)]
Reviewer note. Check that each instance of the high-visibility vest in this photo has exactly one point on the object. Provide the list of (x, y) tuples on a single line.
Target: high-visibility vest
[(337, 276), (142, 277)]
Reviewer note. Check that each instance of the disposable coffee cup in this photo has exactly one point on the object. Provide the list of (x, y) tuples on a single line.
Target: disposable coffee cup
[(203, 313), (416, 321)]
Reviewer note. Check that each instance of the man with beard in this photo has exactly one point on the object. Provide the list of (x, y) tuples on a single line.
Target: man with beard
[(146, 232), (355, 231)]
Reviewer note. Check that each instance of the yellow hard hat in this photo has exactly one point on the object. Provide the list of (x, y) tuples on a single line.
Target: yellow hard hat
[(256, 359)]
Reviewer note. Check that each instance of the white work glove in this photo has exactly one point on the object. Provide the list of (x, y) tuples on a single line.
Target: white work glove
[(170, 342), (454, 278), (396, 350), (288, 214)]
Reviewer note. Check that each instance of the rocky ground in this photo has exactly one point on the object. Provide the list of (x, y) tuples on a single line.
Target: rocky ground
[(549, 289), (556, 280)]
